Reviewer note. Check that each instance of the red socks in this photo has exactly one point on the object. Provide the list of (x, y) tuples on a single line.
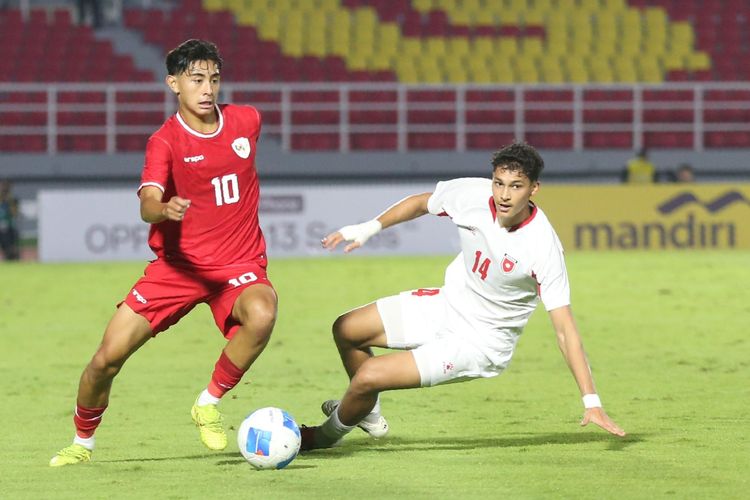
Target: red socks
[(225, 376), (87, 420)]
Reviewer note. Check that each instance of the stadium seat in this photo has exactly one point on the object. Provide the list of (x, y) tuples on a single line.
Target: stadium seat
[(315, 142), (420, 140), (373, 141), (488, 141), (39, 42), (607, 140), (422, 41), (23, 143), (672, 140)]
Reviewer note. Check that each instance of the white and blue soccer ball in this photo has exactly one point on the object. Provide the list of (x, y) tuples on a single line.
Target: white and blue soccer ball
[(269, 438)]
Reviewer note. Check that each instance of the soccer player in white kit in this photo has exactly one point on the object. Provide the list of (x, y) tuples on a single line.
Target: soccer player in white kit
[(510, 258)]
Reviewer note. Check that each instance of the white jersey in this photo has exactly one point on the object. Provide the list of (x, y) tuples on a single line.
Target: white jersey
[(495, 283)]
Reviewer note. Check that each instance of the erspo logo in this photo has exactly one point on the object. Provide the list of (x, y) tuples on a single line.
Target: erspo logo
[(680, 226)]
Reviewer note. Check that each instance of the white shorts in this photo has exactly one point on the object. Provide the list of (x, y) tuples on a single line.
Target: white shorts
[(416, 320)]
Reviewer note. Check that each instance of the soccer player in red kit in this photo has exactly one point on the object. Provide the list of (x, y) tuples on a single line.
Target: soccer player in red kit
[(199, 191)]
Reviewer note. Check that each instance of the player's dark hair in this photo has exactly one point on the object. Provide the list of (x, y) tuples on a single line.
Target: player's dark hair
[(521, 157), (181, 57)]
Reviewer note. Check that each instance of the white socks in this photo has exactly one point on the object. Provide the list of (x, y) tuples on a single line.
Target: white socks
[(87, 443), (206, 399), (374, 414), (332, 430)]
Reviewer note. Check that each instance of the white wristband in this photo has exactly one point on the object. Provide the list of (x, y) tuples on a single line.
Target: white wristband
[(361, 232), (591, 401)]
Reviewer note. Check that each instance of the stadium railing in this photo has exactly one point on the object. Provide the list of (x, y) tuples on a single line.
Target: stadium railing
[(119, 117)]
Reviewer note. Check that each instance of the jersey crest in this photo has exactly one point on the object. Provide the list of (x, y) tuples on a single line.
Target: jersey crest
[(241, 146), (508, 264)]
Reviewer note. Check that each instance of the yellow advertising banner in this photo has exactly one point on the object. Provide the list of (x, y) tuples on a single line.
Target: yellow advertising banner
[(651, 217)]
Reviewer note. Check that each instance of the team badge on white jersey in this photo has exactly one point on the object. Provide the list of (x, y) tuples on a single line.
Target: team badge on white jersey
[(508, 264), (241, 146)]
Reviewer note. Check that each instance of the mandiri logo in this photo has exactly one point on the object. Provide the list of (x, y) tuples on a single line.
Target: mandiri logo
[(717, 204)]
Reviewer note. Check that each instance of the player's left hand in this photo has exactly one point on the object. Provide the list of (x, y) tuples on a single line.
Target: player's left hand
[(599, 417), (358, 234)]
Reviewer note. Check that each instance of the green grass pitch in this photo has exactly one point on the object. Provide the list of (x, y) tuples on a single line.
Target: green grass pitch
[(667, 335)]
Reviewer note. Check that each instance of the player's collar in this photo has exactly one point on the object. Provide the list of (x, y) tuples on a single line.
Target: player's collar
[(198, 134), (493, 210)]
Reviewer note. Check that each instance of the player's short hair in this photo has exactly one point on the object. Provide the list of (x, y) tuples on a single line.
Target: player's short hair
[(521, 157), (181, 57)]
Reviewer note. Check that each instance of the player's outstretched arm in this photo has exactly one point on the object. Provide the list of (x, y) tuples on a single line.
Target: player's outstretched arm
[(409, 208), (569, 341), (153, 210)]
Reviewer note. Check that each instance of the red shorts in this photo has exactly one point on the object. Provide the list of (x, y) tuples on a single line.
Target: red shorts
[(168, 291)]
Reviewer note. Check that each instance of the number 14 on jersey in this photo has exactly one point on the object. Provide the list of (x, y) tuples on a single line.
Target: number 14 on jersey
[(480, 266)]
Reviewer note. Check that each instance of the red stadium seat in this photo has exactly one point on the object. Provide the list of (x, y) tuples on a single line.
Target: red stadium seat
[(23, 143), (671, 140), (488, 141), (550, 140), (373, 142), (489, 116), (431, 141), (131, 142), (606, 140), (315, 142), (87, 143), (727, 139)]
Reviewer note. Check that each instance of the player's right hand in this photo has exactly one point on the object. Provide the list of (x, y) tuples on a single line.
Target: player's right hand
[(358, 234), (599, 417), (175, 208)]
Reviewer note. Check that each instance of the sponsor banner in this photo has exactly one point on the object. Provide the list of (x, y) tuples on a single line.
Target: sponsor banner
[(91, 225), (294, 220), (652, 217)]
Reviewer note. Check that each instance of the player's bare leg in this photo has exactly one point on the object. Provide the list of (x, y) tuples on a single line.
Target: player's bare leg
[(381, 373), (354, 333), (126, 332), (397, 370), (255, 310)]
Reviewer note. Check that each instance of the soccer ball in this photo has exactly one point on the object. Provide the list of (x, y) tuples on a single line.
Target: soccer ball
[(269, 438)]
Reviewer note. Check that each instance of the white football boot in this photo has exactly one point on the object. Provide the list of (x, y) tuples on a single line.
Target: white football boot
[(378, 429)]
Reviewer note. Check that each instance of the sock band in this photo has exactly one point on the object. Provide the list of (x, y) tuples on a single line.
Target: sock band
[(87, 420), (225, 376)]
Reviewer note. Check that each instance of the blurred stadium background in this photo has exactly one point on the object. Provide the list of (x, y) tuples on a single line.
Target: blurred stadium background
[(382, 90)]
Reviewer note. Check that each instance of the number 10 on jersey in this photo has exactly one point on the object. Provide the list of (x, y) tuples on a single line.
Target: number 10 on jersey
[(226, 189)]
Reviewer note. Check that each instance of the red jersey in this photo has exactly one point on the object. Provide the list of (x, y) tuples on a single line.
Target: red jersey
[(216, 172)]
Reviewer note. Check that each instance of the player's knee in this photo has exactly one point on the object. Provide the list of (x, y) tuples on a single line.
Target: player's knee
[(260, 314), (366, 380), (101, 367), (343, 329), (339, 328)]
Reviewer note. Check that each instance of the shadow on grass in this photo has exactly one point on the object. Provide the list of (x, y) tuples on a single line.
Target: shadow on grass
[(203, 456), (560, 438), (229, 458), (398, 444)]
